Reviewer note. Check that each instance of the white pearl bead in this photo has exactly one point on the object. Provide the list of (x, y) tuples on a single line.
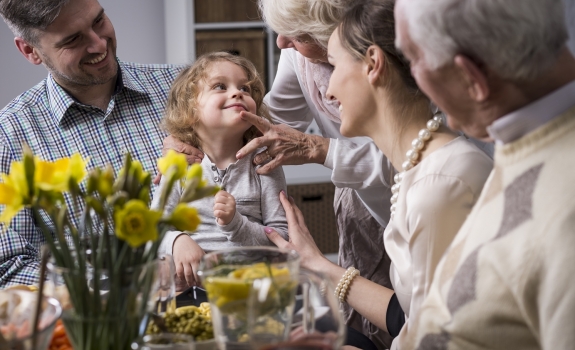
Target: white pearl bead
[(432, 125), (393, 199), (395, 188), (412, 155), (400, 176), (407, 165), (417, 144), (424, 134), (396, 178), (438, 119)]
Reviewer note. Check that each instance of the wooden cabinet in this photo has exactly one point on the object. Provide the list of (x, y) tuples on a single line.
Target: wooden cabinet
[(211, 11), (234, 26), (248, 43), (316, 203)]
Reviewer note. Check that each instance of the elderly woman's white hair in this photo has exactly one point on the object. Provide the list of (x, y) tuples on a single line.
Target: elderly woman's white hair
[(518, 39), (292, 18)]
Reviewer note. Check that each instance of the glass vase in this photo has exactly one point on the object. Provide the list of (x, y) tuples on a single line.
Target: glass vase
[(105, 309)]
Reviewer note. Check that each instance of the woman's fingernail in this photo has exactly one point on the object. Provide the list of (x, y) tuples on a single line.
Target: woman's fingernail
[(282, 191), (238, 155), (268, 230)]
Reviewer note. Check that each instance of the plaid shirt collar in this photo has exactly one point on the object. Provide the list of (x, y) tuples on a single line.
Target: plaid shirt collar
[(60, 101)]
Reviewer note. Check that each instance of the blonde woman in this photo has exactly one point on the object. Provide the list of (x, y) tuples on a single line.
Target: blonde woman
[(203, 110), (440, 174)]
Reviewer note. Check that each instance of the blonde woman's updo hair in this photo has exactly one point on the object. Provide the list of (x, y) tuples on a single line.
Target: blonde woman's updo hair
[(182, 113), (372, 22), (292, 18)]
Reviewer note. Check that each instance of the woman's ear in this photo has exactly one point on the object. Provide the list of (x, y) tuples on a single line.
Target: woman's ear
[(474, 78), (375, 63)]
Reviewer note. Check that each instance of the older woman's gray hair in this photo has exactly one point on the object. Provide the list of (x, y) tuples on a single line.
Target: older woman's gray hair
[(292, 18), (518, 39)]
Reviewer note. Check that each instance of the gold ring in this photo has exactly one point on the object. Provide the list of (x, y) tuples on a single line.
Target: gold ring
[(268, 154)]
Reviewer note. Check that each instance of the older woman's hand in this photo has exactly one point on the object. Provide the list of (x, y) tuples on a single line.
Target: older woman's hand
[(285, 146), (300, 239)]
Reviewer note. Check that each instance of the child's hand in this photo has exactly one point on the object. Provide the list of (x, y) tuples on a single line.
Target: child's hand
[(224, 208), (187, 254)]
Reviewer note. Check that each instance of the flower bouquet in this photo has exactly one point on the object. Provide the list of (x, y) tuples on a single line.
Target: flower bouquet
[(102, 235)]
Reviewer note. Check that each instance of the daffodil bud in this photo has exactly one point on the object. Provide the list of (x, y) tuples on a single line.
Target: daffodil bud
[(92, 183), (95, 204), (194, 172), (106, 182), (29, 168)]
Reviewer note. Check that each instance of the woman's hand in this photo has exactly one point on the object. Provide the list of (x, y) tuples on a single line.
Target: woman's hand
[(285, 146), (193, 155), (300, 239), (224, 207), (187, 254)]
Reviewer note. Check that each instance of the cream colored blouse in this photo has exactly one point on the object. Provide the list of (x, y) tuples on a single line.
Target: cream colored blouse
[(434, 200)]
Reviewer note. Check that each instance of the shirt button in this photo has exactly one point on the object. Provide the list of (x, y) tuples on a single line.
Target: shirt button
[(216, 178), (213, 168)]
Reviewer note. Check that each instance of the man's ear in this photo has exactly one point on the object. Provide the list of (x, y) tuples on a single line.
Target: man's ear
[(28, 51), (474, 78), (375, 63)]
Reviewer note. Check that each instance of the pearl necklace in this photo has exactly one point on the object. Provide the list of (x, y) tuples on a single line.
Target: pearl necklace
[(413, 157)]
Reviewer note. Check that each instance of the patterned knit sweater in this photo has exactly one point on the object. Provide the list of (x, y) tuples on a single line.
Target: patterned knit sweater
[(508, 279)]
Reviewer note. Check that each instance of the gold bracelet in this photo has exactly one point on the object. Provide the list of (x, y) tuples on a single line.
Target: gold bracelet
[(344, 283)]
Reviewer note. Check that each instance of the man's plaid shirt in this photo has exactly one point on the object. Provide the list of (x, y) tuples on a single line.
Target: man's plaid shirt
[(55, 125)]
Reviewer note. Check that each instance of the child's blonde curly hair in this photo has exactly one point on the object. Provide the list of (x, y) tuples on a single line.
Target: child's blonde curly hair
[(182, 114)]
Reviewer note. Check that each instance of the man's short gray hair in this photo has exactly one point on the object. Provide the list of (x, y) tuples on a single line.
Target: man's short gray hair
[(26, 17), (292, 18), (518, 39)]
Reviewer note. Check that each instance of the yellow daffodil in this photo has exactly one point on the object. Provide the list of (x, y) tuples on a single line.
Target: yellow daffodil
[(14, 192), (176, 160), (56, 176), (185, 218), (136, 224)]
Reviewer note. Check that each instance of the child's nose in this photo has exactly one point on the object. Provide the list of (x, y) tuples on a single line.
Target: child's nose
[(237, 93)]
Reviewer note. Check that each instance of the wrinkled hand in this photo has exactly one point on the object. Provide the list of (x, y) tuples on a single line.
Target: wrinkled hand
[(187, 254), (285, 146), (300, 239), (224, 207), (193, 155)]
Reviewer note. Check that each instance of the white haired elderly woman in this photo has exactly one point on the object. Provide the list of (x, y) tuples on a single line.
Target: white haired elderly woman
[(296, 99)]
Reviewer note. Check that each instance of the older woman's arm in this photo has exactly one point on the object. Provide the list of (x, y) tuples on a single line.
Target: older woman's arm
[(369, 299)]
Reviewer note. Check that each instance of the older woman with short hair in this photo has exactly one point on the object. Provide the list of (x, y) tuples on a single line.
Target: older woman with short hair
[(360, 171)]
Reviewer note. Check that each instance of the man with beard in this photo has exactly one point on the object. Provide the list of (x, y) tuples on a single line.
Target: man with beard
[(91, 103)]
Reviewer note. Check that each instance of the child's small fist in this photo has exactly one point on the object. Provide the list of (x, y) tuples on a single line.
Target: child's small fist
[(224, 207)]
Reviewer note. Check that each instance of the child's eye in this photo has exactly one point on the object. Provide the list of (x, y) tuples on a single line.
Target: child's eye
[(246, 89), (219, 86)]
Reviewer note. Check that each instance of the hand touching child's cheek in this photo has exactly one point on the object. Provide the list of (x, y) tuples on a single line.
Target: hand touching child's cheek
[(224, 207)]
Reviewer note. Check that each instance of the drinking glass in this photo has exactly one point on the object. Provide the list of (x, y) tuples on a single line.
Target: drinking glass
[(165, 341), (227, 276), (317, 321)]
